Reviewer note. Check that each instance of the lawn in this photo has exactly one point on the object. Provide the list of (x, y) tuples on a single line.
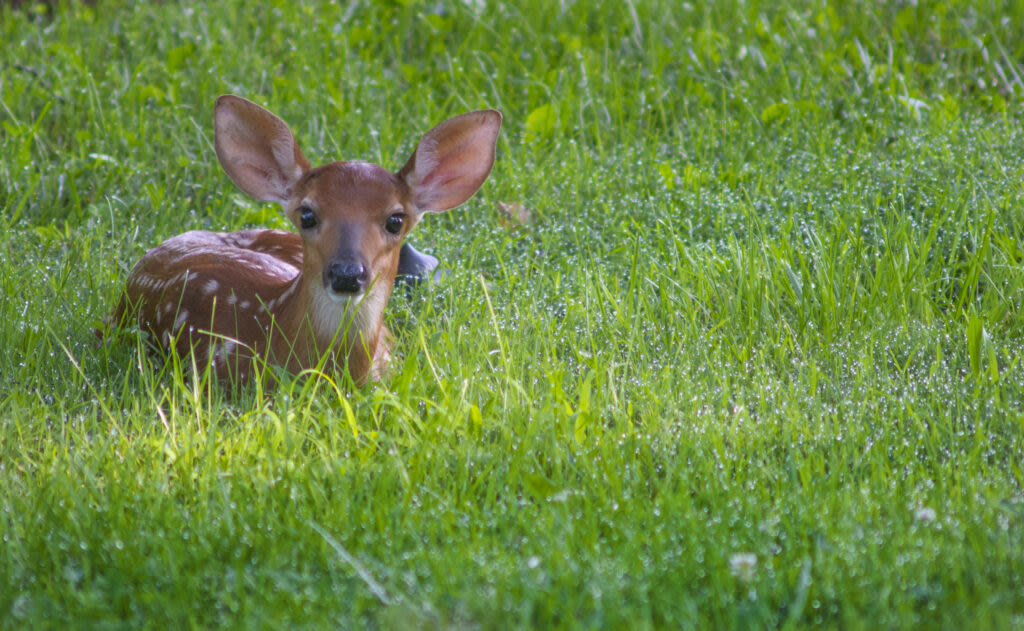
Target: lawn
[(731, 337)]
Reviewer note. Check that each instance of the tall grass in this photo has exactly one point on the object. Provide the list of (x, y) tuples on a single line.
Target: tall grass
[(753, 359)]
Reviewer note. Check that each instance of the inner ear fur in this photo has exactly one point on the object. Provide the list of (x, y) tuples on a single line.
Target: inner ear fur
[(452, 160), (257, 149)]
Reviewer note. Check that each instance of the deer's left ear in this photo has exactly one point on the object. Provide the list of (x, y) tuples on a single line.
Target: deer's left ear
[(452, 161)]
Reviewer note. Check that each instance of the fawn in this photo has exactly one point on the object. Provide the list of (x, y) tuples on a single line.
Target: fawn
[(237, 298)]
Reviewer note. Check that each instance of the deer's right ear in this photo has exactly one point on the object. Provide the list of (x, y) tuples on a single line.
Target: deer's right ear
[(256, 149)]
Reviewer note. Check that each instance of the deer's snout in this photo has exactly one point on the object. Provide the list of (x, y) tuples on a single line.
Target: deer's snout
[(346, 277)]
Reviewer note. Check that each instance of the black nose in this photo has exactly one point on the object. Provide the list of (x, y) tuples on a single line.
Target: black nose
[(347, 278)]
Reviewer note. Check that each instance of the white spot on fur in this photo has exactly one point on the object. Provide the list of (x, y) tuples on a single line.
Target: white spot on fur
[(179, 321), (285, 295), (223, 352)]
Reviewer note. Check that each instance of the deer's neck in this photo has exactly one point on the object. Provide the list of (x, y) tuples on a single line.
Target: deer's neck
[(310, 323)]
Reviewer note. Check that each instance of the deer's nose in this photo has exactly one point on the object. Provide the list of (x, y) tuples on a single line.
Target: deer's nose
[(347, 277)]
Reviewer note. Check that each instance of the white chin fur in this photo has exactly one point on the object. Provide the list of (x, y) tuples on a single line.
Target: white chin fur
[(339, 298), (346, 314)]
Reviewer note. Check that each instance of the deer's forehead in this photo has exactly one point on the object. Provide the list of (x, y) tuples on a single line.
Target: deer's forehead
[(352, 185)]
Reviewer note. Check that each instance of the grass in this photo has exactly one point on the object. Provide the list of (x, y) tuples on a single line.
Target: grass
[(768, 302)]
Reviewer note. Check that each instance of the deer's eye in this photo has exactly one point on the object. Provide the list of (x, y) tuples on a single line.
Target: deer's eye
[(394, 223), (307, 218)]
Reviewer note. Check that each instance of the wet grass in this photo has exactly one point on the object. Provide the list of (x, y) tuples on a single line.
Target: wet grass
[(753, 360)]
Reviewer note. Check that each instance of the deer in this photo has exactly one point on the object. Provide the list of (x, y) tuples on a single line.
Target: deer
[(313, 298)]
